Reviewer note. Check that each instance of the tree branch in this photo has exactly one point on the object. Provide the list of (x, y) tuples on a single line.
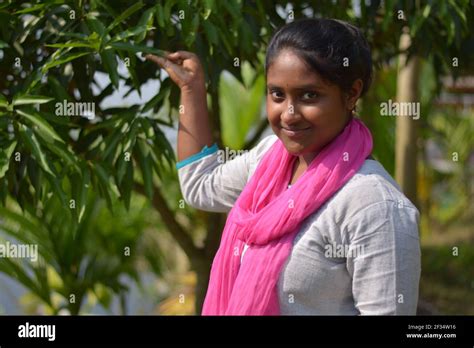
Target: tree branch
[(176, 230)]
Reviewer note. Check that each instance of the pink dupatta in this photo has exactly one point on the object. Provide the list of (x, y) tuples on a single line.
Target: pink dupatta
[(267, 216)]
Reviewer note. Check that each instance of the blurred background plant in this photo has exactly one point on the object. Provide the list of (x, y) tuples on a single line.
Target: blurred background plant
[(88, 190)]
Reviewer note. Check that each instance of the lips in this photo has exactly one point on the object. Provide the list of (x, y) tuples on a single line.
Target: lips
[(295, 129), (294, 132)]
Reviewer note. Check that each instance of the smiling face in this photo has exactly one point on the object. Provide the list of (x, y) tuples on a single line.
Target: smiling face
[(304, 111)]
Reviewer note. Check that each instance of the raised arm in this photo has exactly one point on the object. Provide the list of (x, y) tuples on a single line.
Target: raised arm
[(185, 69)]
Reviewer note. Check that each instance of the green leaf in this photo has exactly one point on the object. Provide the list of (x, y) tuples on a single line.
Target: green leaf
[(125, 46), (107, 184), (3, 101), (110, 64), (63, 152), (63, 59), (147, 20), (112, 141), (58, 89), (127, 13), (147, 127), (44, 129), (131, 32), (83, 190), (70, 44), (127, 185), (35, 148), (146, 166), (5, 155), (30, 99), (34, 8)]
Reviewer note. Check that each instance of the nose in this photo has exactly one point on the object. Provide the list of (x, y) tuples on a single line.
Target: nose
[(290, 115)]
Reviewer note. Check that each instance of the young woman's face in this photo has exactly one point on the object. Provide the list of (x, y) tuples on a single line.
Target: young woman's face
[(304, 111)]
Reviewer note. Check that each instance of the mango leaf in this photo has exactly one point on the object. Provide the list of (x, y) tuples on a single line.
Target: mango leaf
[(71, 44), (147, 20), (127, 186), (44, 129), (30, 99), (62, 59), (64, 153), (5, 154), (131, 32), (35, 148), (3, 101), (125, 46), (110, 64), (146, 166), (127, 13), (162, 93), (107, 184)]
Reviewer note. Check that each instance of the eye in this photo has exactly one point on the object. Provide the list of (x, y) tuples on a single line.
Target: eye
[(276, 94), (310, 95)]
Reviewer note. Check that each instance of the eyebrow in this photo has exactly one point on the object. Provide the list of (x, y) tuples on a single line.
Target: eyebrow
[(301, 87)]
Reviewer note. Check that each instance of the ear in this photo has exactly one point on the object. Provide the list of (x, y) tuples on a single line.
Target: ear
[(354, 94)]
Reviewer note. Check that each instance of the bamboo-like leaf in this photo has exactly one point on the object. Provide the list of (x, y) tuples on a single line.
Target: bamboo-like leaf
[(62, 59), (110, 64), (30, 99), (63, 152), (5, 155), (147, 20), (3, 101), (131, 32), (146, 166), (125, 46), (44, 129), (127, 13), (35, 148), (71, 44), (128, 185), (85, 185)]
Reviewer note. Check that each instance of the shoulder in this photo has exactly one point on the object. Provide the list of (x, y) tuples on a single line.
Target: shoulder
[(371, 195)]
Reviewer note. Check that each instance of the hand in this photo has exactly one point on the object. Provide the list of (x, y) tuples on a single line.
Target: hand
[(183, 67)]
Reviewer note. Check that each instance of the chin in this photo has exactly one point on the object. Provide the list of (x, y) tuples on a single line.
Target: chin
[(293, 147)]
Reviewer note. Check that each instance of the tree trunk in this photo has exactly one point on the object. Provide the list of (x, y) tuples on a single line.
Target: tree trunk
[(406, 126), (215, 225)]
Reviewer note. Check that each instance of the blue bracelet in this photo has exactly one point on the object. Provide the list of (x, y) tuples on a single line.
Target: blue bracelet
[(204, 152)]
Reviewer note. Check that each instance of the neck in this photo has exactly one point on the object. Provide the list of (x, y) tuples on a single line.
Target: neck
[(305, 160)]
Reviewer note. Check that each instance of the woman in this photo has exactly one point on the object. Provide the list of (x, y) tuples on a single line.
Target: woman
[(316, 225)]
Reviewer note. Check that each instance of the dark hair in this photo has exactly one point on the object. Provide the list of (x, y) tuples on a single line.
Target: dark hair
[(324, 44)]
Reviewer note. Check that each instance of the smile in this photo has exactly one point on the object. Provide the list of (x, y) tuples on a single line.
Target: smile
[(294, 132)]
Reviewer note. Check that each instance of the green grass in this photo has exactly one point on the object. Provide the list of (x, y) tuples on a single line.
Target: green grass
[(447, 281)]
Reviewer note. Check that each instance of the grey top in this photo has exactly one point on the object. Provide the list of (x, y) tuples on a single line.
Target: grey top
[(359, 254)]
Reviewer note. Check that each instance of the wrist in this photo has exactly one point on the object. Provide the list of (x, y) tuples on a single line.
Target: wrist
[(196, 87)]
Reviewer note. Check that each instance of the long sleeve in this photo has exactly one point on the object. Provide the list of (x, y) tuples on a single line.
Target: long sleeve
[(385, 258), (210, 183)]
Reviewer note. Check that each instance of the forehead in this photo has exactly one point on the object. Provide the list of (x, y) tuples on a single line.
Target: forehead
[(287, 70)]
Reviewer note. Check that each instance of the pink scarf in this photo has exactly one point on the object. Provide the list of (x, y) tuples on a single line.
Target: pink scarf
[(267, 216)]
